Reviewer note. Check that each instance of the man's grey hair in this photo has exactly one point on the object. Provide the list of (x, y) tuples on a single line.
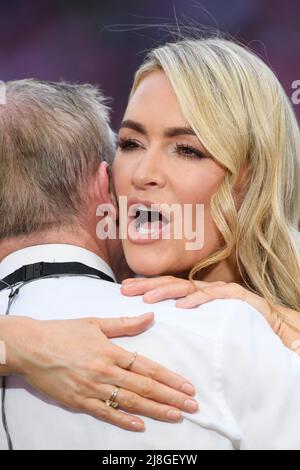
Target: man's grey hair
[(53, 137)]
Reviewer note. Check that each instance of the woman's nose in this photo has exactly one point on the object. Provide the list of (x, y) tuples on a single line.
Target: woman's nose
[(149, 173)]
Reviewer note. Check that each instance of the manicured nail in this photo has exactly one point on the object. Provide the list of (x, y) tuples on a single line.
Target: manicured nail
[(128, 281), (183, 303), (190, 406), (129, 287), (188, 389), (151, 295), (138, 426), (174, 415), (144, 315)]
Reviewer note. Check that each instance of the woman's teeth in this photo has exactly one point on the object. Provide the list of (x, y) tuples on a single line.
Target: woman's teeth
[(146, 230), (149, 222)]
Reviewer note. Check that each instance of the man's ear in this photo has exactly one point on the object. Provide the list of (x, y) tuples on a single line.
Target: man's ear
[(104, 184)]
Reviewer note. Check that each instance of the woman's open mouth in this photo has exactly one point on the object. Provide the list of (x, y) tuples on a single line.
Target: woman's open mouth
[(147, 222)]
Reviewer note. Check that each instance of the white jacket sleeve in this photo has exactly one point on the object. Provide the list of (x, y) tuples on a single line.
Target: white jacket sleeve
[(261, 383)]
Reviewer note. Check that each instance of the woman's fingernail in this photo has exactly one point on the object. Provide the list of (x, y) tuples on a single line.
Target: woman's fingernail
[(152, 294), (174, 415), (190, 406), (188, 389), (144, 315), (138, 426), (129, 287), (128, 281), (182, 303)]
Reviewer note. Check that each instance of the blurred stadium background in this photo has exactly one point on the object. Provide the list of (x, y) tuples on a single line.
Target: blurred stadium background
[(80, 41)]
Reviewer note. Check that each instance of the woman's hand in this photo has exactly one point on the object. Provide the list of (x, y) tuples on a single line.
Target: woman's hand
[(74, 363), (192, 295)]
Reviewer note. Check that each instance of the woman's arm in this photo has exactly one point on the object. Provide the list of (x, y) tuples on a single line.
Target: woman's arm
[(74, 363), (192, 295)]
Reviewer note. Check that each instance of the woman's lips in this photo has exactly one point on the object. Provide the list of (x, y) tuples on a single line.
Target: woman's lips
[(147, 223)]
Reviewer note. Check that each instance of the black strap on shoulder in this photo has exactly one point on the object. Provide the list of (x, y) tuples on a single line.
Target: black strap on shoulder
[(39, 270)]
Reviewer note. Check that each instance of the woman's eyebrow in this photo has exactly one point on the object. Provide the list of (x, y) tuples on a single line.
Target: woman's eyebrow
[(170, 132), (177, 131), (134, 125)]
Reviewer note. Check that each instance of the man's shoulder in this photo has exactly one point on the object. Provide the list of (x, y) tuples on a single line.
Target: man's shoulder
[(213, 315), (75, 296), (213, 318)]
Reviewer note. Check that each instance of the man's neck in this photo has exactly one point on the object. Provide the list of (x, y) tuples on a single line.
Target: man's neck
[(77, 237)]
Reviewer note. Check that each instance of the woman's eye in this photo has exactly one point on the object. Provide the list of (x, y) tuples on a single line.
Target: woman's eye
[(128, 145), (189, 152)]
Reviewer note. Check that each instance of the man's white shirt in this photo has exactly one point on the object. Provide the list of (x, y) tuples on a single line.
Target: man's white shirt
[(247, 382)]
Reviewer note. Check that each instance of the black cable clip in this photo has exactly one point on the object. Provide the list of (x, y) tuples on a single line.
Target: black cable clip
[(14, 293)]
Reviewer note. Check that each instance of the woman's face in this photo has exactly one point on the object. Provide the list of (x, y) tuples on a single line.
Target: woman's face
[(161, 162)]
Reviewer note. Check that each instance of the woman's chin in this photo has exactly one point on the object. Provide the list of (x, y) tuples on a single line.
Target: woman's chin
[(149, 272), (146, 268)]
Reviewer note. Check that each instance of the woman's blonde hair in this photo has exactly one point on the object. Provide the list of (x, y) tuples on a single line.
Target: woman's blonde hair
[(241, 114)]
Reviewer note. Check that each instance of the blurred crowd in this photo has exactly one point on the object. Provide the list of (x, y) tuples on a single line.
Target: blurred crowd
[(103, 42)]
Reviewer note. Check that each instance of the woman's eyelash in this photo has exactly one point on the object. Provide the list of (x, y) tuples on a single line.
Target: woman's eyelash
[(188, 151), (128, 145), (184, 150)]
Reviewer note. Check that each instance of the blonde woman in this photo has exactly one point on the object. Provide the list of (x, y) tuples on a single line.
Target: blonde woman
[(208, 122), (235, 149)]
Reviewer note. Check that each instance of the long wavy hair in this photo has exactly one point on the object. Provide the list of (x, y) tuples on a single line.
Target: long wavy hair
[(241, 114)]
